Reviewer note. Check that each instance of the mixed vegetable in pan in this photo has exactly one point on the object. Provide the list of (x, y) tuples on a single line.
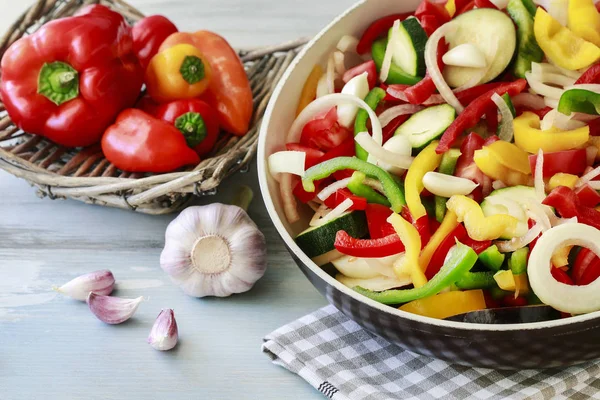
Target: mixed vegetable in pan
[(449, 158)]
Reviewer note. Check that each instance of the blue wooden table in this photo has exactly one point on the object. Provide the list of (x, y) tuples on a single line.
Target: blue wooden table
[(52, 347)]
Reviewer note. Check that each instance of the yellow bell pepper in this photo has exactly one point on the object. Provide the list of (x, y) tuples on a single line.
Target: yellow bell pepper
[(529, 136), (179, 72), (562, 179), (409, 264), (505, 162), (506, 280), (595, 142), (521, 284), (560, 258), (561, 45), (480, 227), (584, 20), (309, 91), (451, 7), (427, 160), (447, 304), (449, 223)]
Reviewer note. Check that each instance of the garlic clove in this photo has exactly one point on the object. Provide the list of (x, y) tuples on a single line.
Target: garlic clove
[(164, 333), (112, 310), (100, 282)]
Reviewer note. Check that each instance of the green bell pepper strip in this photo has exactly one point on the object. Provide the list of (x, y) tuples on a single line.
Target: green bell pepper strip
[(509, 103), (528, 50), (492, 259), (477, 280), (396, 74), (499, 294), (518, 261), (373, 99), (460, 261), (358, 188), (579, 100), (393, 192), (447, 166), (530, 6)]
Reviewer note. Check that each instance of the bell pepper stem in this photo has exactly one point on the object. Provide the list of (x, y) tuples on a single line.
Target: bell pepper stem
[(192, 69), (193, 128), (58, 82)]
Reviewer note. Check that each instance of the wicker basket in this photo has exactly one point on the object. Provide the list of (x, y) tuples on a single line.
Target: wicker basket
[(85, 175)]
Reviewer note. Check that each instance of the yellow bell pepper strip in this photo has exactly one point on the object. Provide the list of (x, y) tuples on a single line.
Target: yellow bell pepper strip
[(179, 72), (427, 160), (505, 162), (560, 258), (584, 20), (562, 179), (460, 260), (447, 304), (480, 227), (505, 280), (449, 223), (529, 136), (561, 45), (451, 7), (518, 266), (595, 142), (409, 264), (309, 91)]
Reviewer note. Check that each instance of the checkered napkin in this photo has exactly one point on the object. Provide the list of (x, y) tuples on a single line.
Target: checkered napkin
[(345, 362)]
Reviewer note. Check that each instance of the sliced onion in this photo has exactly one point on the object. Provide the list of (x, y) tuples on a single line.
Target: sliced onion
[(338, 61), (539, 213), (383, 265), (347, 43), (379, 153), (374, 184), (447, 185), (434, 69), (398, 94), (327, 258), (548, 73), (291, 162), (565, 298), (556, 119), (594, 185), (325, 103), (331, 189), (354, 267), (389, 52), (528, 100), (552, 103), (290, 206), (566, 72), (562, 221), (337, 212), (398, 144), (538, 180), (541, 88), (314, 205), (465, 55), (506, 131), (508, 246), (559, 10), (392, 113), (330, 75), (587, 118), (322, 86), (500, 4), (376, 284), (588, 177), (590, 87), (498, 185)]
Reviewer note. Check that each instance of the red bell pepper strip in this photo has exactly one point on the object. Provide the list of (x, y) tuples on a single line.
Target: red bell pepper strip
[(370, 248), (587, 196), (325, 133), (466, 167), (369, 67), (71, 78), (586, 267), (437, 260), (491, 118), (485, 4), (561, 276), (568, 161), (476, 245), (421, 224), (377, 216), (313, 156), (590, 273), (592, 75), (511, 301), (566, 202), (390, 128), (474, 111), (148, 34), (594, 126), (196, 120), (490, 140), (429, 24), (437, 10), (419, 92), (345, 149), (358, 203), (138, 142), (377, 29)]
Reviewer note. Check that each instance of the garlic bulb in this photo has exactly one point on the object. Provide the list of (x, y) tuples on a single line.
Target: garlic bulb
[(214, 250), (100, 282), (164, 333), (112, 310)]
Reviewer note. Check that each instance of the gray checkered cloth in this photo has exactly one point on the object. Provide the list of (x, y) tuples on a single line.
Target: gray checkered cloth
[(345, 362)]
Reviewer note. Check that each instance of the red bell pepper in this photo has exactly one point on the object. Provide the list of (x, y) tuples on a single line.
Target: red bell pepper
[(466, 167), (429, 24), (512, 301), (490, 140), (567, 161), (196, 120), (425, 88), (324, 133), (540, 112), (390, 128), (437, 260), (485, 4), (491, 118), (70, 79), (592, 75), (345, 149), (139, 142), (587, 196), (463, 6), (464, 96), (313, 156), (377, 29), (421, 224), (437, 10), (148, 35), (377, 216), (476, 245), (358, 203), (561, 276), (369, 67), (586, 267), (474, 111), (566, 202), (589, 273), (369, 248), (594, 126)]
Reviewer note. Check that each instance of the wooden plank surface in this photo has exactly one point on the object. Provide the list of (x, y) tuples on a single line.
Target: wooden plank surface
[(53, 348)]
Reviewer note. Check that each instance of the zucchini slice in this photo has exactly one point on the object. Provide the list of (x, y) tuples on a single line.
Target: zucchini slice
[(427, 125), (408, 50)]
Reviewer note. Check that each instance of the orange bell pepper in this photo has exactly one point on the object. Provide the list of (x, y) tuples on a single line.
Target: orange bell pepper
[(447, 304), (229, 91), (309, 91)]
